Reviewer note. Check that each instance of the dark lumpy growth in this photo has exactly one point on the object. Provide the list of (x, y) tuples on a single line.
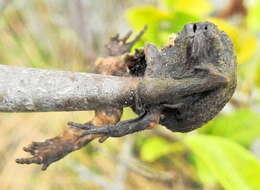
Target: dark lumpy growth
[(209, 47), (136, 63), (198, 44)]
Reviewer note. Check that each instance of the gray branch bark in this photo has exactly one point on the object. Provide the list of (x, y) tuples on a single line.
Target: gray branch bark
[(35, 90)]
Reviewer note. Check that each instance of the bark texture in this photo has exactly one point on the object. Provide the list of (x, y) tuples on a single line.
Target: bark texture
[(35, 90)]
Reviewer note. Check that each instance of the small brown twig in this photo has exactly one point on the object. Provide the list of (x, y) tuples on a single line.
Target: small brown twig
[(117, 46), (234, 7)]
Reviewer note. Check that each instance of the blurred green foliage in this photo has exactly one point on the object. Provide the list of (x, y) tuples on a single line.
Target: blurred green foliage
[(241, 126), (228, 162), (217, 156)]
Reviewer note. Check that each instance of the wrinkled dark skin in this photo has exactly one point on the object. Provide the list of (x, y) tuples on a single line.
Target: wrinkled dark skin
[(198, 45)]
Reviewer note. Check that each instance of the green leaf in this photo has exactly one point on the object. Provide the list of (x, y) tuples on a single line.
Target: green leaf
[(145, 15), (254, 15), (154, 148), (242, 126), (160, 23), (203, 172), (180, 18), (232, 165), (154, 18), (193, 7)]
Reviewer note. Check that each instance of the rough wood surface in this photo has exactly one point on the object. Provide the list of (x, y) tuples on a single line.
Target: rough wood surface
[(35, 90)]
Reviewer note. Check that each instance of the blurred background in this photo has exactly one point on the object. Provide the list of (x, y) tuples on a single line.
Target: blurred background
[(70, 35)]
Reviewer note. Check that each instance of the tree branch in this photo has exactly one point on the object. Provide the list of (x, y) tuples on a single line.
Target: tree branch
[(35, 90)]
